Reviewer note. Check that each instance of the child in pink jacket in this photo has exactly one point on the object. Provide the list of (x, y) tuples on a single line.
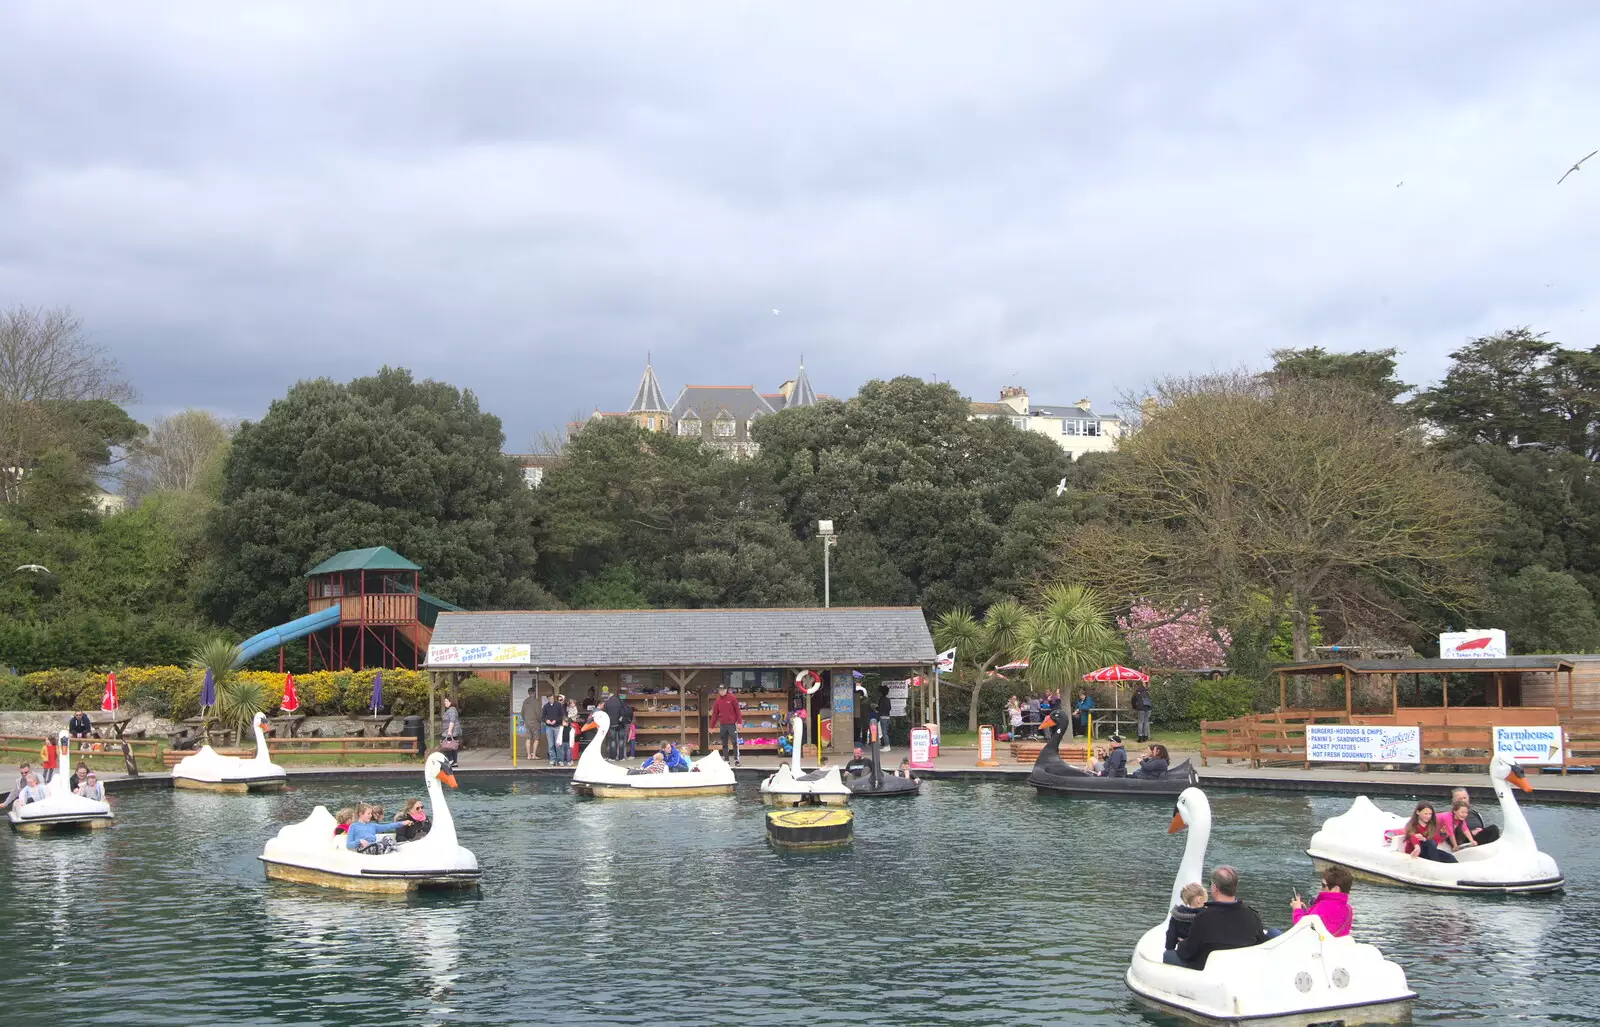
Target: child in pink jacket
[(1332, 903)]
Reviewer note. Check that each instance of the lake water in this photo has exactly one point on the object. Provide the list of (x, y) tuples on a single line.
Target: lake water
[(977, 903)]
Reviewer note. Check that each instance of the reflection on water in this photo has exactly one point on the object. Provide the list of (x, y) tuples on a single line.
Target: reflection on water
[(976, 903)]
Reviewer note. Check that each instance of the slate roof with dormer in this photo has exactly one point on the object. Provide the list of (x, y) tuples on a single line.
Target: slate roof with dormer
[(889, 636), (740, 401)]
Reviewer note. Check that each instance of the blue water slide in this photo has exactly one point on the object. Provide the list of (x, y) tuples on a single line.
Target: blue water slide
[(271, 638)]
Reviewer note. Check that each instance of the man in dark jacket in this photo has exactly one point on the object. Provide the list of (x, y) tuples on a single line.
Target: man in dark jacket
[(1224, 923), (1116, 759), (1141, 706), (616, 738), (551, 716)]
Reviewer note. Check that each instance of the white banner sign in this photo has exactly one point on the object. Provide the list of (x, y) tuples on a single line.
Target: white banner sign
[(1363, 743), (897, 707), (1473, 645), (899, 690), (1529, 744), (473, 655)]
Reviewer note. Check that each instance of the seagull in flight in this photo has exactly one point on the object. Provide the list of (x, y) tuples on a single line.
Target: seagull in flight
[(775, 310), (1061, 489), (1575, 167), (35, 568)]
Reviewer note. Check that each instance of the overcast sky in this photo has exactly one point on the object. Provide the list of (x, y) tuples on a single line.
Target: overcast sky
[(524, 198)]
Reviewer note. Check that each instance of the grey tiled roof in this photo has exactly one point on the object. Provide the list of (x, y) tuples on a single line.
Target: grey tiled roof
[(1067, 410), (656, 639), (802, 394), (739, 400)]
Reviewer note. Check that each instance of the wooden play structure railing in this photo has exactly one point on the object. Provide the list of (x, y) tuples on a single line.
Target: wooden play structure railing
[(108, 755), (403, 745), (1457, 736)]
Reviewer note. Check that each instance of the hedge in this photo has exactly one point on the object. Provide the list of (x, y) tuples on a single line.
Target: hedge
[(174, 692), (94, 642)]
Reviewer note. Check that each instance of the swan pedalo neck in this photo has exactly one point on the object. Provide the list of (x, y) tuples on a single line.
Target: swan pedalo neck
[(1304, 975), (60, 809), (211, 771)]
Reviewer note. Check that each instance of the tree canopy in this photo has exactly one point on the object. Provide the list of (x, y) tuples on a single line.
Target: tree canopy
[(383, 460)]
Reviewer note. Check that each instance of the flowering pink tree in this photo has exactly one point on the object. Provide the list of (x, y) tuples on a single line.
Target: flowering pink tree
[(1157, 638)]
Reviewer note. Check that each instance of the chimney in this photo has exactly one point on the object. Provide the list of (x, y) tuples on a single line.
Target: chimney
[(1082, 404), (1010, 391)]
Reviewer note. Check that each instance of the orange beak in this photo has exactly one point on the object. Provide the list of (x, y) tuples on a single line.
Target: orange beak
[(588, 727), (1516, 777), (1049, 722), (448, 778), (1177, 823)]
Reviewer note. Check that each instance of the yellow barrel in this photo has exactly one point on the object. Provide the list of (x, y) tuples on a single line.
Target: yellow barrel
[(810, 828)]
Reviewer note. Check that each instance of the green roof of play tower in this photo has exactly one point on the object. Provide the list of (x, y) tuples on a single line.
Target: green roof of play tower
[(379, 558)]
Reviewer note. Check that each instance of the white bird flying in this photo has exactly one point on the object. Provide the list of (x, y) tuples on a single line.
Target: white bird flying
[(1061, 488), (1575, 167)]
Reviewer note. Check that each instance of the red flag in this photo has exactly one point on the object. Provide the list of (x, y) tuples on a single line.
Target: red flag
[(291, 701), (108, 700)]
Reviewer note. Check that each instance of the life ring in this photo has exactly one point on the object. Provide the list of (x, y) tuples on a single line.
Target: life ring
[(804, 676)]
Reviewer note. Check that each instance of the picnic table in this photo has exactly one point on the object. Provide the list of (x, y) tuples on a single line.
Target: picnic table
[(380, 722), (287, 724), (117, 721)]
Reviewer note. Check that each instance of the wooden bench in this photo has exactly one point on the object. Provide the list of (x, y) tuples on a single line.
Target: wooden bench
[(1026, 752)]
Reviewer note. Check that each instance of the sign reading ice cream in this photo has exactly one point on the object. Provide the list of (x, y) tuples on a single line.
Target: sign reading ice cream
[(1530, 744), (478, 655), (1473, 645)]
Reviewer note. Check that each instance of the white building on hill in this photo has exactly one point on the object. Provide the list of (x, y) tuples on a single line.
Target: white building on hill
[(1076, 428)]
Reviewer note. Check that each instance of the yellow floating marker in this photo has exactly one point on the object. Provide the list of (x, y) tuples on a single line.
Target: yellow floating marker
[(810, 828)]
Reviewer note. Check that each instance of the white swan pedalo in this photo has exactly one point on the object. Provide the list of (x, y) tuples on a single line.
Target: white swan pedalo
[(791, 787), (209, 770), (598, 777), (1510, 865), (60, 810), (1303, 976), (310, 853)]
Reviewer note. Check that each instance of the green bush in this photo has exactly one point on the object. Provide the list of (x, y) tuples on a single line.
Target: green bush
[(1169, 701), (16, 695), (1222, 699), (93, 642), (480, 697)]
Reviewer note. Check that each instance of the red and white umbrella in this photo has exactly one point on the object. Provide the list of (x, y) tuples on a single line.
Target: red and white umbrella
[(1116, 672), (291, 701), (108, 699)]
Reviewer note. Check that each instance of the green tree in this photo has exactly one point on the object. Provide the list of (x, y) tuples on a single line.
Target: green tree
[(646, 518), (1316, 494), (904, 464), (384, 460), (1369, 370), (1496, 391), (1544, 611)]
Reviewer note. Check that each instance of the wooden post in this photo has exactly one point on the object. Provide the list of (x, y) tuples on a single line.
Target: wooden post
[(433, 732), (1499, 690), (1394, 693), (682, 679), (1444, 683), (1347, 695), (1283, 691)]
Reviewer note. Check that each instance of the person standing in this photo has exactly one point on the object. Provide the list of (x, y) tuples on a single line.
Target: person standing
[(529, 727), (727, 718), (551, 716), (1141, 706), (48, 755), (614, 709), (450, 743)]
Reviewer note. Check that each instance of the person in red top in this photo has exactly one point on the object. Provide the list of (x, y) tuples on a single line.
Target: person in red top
[(727, 719), (47, 759), (1332, 904)]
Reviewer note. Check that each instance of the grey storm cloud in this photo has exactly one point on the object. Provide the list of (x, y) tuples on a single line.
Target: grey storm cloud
[(525, 198)]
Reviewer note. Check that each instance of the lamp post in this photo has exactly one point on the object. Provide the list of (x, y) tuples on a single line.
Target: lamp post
[(829, 540)]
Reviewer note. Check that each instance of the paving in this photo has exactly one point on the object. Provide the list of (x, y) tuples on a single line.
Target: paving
[(962, 763)]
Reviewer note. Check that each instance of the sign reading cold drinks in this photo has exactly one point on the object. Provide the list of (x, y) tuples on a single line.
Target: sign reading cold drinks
[(1363, 743)]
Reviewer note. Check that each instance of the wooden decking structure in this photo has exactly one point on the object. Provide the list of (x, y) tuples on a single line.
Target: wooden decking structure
[(1451, 736)]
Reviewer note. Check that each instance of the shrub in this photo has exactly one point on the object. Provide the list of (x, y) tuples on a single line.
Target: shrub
[(1169, 701), (1222, 699), (480, 697)]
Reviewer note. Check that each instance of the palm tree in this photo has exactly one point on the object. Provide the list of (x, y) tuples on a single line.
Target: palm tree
[(219, 656), (980, 645), (1068, 636)]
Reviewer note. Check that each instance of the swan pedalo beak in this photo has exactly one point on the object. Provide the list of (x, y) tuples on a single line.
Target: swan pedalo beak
[(1517, 778), (447, 778), (1177, 822)]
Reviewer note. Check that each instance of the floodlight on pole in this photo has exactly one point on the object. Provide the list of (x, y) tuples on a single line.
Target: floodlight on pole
[(829, 540)]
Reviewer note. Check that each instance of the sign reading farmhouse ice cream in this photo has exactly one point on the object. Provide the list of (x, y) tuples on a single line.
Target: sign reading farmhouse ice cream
[(1473, 645), (1363, 743), (1529, 744), (473, 655)]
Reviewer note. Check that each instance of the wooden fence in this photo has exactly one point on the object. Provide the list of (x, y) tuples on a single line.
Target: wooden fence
[(108, 756), (1460, 736)]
